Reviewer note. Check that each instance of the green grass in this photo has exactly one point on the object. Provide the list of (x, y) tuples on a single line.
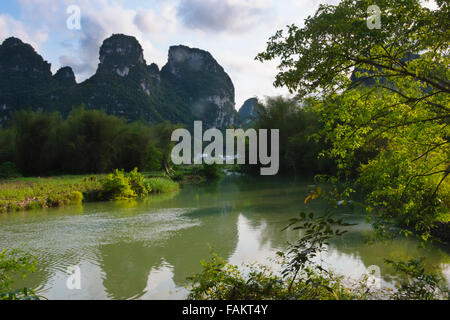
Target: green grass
[(37, 193), (163, 185)]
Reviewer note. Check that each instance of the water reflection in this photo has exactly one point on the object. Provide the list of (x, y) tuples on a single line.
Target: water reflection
[(146, 249)]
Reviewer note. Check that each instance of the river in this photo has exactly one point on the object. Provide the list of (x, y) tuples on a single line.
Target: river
[(146, 249)]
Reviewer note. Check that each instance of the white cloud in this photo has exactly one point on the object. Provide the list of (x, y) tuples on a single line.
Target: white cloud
[(222, 15), (244, 69), (99, 20), (10, 27)]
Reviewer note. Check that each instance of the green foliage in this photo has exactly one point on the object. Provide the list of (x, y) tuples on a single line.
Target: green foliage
[(59, 200), (36, 137), (300, 148), (162, 185), (38, 193), (162, 134), (15, 263), (417, 284), (122, 186), (138, 184), (336, 39), (387, 125), (89, 141), (154, 159), (222, 281)]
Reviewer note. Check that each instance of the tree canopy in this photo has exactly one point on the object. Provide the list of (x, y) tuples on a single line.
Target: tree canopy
[(383, 92)]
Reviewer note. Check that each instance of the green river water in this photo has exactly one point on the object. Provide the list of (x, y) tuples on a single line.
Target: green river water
[(146, 249)]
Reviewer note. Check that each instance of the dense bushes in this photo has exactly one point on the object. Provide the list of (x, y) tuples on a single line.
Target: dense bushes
[(88, 141), (300, 149), (122, 186), (162, 185)]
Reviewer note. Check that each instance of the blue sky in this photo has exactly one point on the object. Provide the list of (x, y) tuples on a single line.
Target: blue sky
[(234, 31)]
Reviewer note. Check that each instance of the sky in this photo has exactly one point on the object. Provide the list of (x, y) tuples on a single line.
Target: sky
[(233, 31)]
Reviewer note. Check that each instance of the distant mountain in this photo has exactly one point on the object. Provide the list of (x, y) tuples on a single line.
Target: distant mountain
[(248, 112), (191, 86)]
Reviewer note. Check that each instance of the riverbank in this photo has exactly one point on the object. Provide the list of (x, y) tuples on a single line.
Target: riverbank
[(45, 192)]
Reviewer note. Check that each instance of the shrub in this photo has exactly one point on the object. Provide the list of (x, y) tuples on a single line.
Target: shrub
[(162, 185), (123, 186), (76, 197), (154, 159), (116, 186), (34, 205), (137, 183)]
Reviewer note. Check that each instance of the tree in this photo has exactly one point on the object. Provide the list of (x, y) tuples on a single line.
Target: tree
[(162, 134), (89, 137), (36, 137), (298, 125), (384, 91)]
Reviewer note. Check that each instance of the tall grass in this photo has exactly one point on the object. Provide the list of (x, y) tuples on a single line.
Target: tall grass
[(34, 193), (163, 185)]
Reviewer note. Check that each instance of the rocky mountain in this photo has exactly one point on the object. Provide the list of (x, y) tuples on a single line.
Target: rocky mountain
[(191, 86), (25, 78), (248, 113), (65, 77), (205, 84)]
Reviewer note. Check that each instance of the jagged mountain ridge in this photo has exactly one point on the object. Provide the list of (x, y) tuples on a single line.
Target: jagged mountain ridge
[(191, 86)]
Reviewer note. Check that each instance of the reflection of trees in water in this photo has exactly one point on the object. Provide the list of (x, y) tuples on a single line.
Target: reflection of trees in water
[(401, 249), (126, 266)]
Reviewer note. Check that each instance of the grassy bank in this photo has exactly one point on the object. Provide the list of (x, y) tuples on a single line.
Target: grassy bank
[(45, 192)]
